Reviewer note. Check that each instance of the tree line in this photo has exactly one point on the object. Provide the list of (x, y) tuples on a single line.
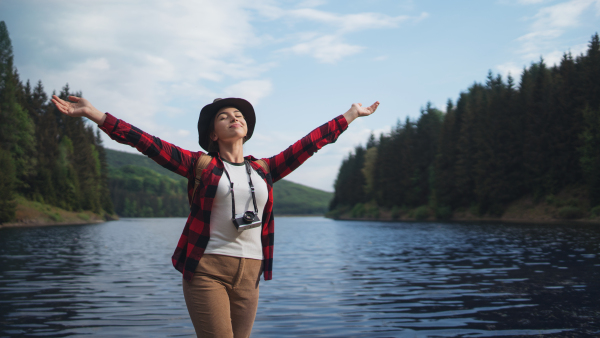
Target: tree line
[(44, 155), (142, 192), (499, 142)]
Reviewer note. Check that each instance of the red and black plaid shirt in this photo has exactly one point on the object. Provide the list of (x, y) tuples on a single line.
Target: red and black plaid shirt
[(196, 232)]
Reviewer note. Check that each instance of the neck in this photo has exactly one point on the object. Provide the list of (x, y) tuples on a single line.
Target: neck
[(232, 152)]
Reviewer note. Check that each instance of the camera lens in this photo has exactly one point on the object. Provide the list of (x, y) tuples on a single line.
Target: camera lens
[(248, 216)]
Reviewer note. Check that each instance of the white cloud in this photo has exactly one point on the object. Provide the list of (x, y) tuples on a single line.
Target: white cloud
[(135, 57), (326, 49), (550, 23), (562, 15), (251, 90), (521, 2), (509, 68), (547, 28), (182, 132), (530, 2), (311, 3), (330, 47), (353, 22)]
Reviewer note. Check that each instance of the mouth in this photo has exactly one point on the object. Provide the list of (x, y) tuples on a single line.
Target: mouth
[(235, 125)]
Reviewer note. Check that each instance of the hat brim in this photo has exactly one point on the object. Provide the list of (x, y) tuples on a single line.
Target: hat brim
[(210, 110)]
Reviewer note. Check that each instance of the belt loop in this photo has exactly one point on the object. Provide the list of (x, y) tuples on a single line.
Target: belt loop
[(240, 273)]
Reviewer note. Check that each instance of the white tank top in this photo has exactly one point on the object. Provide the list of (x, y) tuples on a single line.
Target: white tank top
[(224, 236)]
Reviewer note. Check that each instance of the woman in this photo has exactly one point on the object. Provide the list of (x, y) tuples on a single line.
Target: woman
[(227, 241)]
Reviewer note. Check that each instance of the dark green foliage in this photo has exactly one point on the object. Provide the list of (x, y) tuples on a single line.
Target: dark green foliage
[(16, 129), (498, 143), (422, 213), (56, 159), (349, 185), (7, 181), (395, 212), (143, 192), (358, 210), (590, 153), (570, 212), (595, 212), (443, 213), (105, 200), (117, 159)]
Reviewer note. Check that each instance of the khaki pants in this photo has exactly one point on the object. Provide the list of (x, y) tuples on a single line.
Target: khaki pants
[(223, 296)]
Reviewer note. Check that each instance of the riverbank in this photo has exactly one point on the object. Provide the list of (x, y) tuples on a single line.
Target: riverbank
[(31, 213), (552, 209)]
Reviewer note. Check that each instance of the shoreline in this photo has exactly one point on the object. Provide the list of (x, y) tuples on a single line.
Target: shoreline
[(300, 215), (568, 207), (36, 223), (37, 214), (474, 220)]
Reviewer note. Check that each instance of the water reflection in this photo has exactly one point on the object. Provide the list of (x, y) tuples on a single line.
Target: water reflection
[(331, 279)]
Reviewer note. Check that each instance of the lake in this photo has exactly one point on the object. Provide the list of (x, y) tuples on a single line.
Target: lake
[(330, 279)]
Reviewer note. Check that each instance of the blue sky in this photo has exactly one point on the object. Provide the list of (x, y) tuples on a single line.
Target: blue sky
[(155, 64)]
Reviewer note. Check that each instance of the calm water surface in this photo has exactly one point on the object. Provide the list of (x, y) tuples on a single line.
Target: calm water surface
[(331, 279)]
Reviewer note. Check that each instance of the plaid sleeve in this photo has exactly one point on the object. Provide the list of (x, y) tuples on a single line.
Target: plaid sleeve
[(164, 153), (288, 160)]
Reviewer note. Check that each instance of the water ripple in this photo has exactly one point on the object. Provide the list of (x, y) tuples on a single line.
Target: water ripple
[(331, 279)]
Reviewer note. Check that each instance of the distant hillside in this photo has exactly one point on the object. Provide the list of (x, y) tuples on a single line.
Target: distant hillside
[(296, 199), (139, 187), (118, 159)]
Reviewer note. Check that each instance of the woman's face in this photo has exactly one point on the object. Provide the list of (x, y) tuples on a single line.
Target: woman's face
[(230, 125)]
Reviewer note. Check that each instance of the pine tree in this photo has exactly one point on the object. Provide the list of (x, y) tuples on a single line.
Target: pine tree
[(350, 182), (105, 200), (445, 160), (465, 150), (16, 129), (7, 181), (590, 153)]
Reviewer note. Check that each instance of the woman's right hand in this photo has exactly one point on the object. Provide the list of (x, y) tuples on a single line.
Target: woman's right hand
[(77, 107)]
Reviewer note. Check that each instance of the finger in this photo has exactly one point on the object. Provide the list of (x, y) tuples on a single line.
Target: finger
[(58, 99), (74, 98), (56, 102), (59, 106), (62, 106), (374, 105)]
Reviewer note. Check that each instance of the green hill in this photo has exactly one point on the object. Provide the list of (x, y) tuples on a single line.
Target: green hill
[(139, 187), (296, 199), (118, 159)]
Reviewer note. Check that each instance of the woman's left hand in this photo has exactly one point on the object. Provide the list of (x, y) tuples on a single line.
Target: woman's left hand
[(358, 110)]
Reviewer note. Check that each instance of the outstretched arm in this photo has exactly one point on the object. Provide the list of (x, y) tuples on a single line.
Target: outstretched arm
[(169, 156), (288, 160)]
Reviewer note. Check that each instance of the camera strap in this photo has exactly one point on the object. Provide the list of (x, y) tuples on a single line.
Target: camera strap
[(248, 171)]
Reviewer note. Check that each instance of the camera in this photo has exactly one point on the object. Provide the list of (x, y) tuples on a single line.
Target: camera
[(247, 220)]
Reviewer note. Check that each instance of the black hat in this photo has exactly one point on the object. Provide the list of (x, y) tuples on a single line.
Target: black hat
[(209, 111)]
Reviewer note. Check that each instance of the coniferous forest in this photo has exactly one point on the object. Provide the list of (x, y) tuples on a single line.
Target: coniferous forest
[(45, 156), (535, 139)]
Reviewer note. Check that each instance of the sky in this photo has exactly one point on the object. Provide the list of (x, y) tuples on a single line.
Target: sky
[(155, 64)]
